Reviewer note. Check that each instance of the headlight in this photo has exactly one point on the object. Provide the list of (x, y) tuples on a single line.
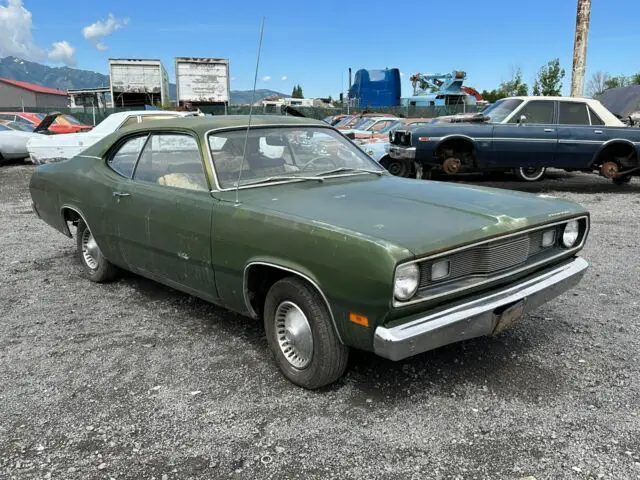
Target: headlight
[(570, 234), (406, 281)]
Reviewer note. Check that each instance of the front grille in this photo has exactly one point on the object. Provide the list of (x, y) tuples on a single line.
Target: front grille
[(489, 258), (400, 137)]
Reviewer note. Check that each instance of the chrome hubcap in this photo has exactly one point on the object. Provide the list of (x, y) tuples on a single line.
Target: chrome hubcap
[(90, 250), (294, 334)]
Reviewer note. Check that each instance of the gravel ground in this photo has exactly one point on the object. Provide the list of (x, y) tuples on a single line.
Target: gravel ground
[(135, 380)]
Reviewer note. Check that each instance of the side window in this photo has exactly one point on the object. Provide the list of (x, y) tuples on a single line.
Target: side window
[(379, 126), (130, 121), (573, 113), (536, 111), (173, 160), (123, 161), (595, 119)]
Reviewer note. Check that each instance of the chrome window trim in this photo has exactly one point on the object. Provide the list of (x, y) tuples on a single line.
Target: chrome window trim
[(399, 304), (272, 125), (252, 312)]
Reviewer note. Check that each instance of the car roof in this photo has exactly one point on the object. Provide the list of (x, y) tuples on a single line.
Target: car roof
[(203, 124)]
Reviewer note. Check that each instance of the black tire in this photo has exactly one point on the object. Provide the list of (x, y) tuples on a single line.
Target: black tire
[(100, 271), (397, 168), (530, 174), (621, 180), (328, 360)]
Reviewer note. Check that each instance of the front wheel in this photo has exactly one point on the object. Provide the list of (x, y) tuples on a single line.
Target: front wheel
[(301, 335), (397, 168), (96, 267), (530, 174)]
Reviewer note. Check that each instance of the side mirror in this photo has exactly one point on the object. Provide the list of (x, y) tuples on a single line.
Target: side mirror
[(522, 119)]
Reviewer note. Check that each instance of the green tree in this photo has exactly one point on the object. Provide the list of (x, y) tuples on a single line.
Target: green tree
[(549, 79), (617, 82), (492, 96), (635, 79), (514, 87), (297, 92)]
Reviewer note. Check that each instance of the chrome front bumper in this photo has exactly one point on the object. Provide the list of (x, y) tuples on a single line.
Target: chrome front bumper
[(484, 316), (402, 153)]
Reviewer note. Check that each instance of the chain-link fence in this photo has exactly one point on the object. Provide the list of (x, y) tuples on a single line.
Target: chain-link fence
[(93, 116)]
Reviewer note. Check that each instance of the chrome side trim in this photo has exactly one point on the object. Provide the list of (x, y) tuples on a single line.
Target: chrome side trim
[(252, 312), (589, 142), (398, 304), (477, 317), (525, 140)]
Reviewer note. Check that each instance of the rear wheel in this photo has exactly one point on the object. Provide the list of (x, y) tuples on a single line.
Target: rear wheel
[(398, 168), (301, 336), (530, 174), (96, 267)]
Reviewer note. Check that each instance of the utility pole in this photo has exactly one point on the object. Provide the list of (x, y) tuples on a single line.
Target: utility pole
[(580, 48)]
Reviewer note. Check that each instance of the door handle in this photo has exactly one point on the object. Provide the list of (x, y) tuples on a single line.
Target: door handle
[(549, 130), (121, 194), (599, 132)]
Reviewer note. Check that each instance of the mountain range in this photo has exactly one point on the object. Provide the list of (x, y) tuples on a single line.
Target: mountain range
[(66, 78)]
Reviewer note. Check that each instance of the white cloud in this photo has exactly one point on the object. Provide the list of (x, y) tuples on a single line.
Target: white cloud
[(97, 31), (16, 38), (284, 78), (266, 78), (402, 74), (63, 52)]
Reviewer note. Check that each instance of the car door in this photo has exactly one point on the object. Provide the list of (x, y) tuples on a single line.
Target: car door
[(526, 142), (161, 216), (580, 135)]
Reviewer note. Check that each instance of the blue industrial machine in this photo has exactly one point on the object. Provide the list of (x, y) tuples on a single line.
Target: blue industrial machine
[(440, 90), (375, 88)]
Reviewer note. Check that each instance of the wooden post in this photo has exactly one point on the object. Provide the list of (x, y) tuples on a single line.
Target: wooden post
[(580, 48)]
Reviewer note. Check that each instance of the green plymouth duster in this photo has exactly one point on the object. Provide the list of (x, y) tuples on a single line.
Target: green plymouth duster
[(289, 222)]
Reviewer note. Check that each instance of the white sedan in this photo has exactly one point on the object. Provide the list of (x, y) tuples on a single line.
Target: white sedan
[(13, 141), (54, 148)]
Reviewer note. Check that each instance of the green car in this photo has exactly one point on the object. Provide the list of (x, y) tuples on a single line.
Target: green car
[(289, 222)]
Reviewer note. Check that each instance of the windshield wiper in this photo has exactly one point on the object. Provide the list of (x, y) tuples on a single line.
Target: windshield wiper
[(347, 169), (281, 177)]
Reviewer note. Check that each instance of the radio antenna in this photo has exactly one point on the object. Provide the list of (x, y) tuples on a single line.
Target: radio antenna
[(253, 94)]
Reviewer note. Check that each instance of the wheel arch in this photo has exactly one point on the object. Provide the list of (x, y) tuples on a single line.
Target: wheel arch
[(71, 213), (454, 138), (612, 144), (276, 271)]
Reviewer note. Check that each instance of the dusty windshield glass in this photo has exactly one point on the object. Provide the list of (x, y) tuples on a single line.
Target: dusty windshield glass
[(289, 152), (501, 110)]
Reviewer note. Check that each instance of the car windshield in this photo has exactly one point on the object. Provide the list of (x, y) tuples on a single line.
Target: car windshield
[(293, 153), (68, 120), (501, 109), (363, 124), (20, 126), (391, 126), (343, 121)]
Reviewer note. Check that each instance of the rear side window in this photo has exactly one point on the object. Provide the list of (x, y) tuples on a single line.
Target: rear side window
[(595, 119), (572, 113), (123, 161), (172, 160), (536, 112)]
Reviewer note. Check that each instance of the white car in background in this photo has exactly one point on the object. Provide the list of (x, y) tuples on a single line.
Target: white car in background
[(55, 148), (14, 137)]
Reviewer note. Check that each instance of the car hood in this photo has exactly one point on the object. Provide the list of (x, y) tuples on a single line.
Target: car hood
[(420, 216)]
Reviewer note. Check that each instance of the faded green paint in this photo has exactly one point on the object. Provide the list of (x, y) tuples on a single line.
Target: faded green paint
[(346, 234)]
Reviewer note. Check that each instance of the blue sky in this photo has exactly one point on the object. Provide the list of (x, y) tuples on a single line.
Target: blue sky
[(313, 43)]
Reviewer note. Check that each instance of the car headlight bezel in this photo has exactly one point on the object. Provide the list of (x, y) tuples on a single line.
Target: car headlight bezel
[(406, 281)]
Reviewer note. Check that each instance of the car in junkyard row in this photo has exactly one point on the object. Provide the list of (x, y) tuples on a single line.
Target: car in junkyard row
[(63, 123), (525, 135), (290, 222)]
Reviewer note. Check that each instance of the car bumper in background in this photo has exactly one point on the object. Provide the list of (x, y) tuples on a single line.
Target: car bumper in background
[(402, 153), (484, 316)]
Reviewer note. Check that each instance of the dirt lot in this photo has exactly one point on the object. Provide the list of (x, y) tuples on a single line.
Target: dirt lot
[(134, 380)]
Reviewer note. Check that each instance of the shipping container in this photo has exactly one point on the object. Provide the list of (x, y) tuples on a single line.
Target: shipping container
[(138, 82), (202, 81)]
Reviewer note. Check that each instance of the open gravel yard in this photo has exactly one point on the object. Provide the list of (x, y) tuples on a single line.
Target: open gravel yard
[(134, 380)]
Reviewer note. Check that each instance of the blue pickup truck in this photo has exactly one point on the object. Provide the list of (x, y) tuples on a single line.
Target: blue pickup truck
[(525, 135)]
